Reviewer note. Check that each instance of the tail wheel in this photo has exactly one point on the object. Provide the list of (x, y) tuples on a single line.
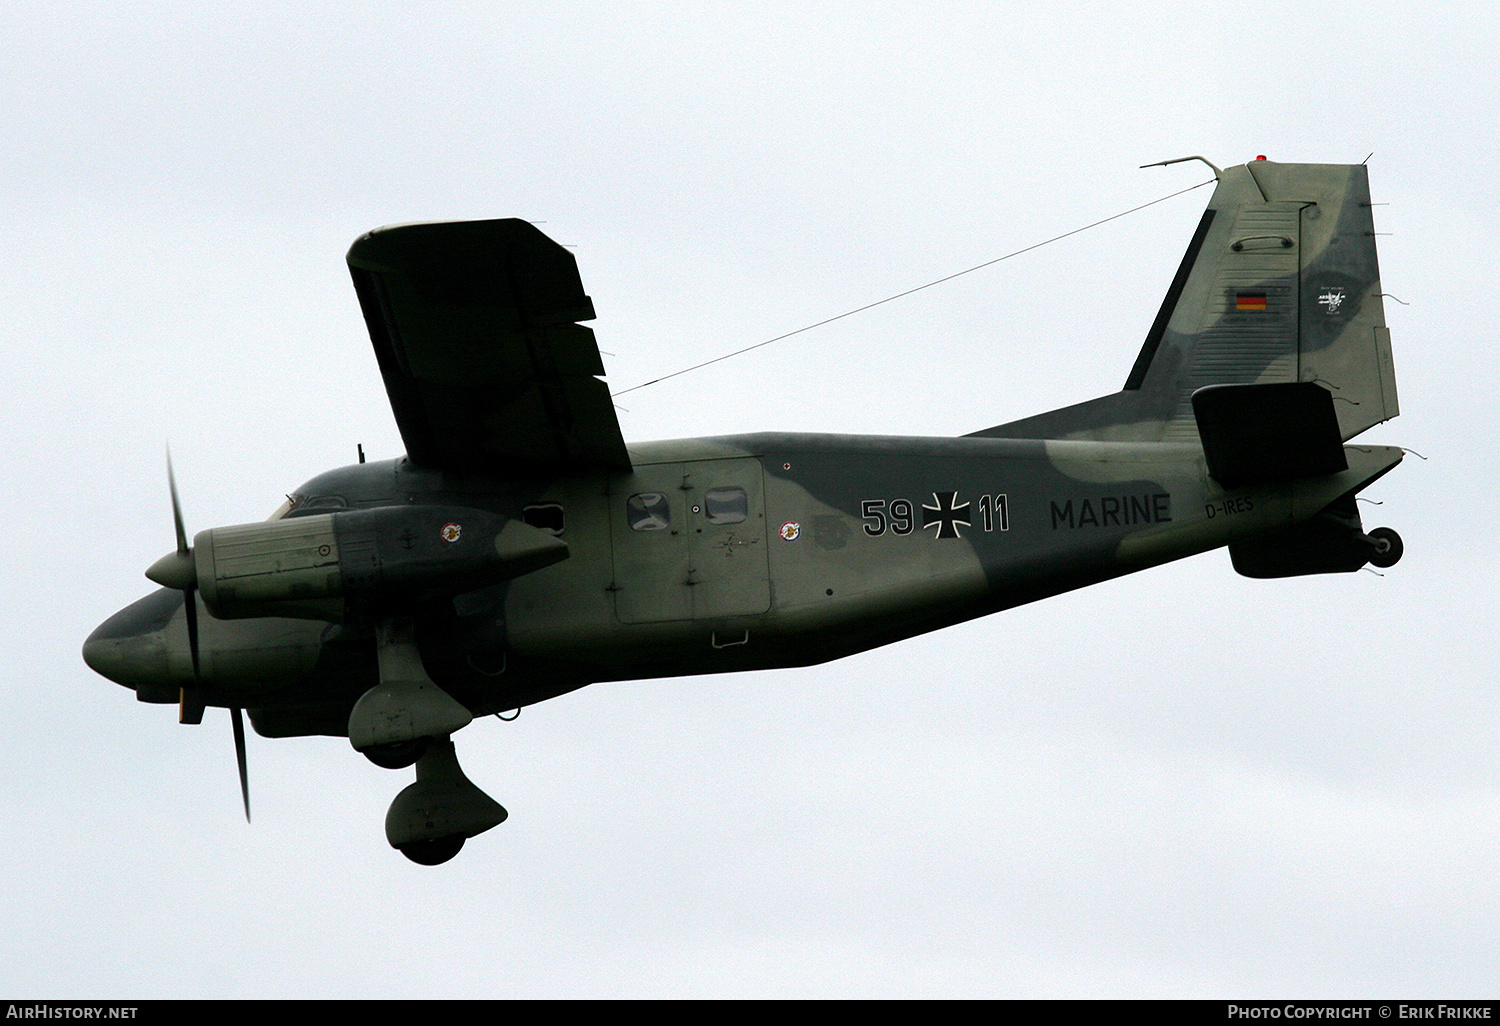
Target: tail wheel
[(1388, 547)]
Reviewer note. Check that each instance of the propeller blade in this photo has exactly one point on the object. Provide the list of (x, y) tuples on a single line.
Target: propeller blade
[(178, 570), (182, 541), (239, 754), (190, 609)]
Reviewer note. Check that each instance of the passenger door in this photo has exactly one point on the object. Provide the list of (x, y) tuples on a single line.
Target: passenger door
[(689, 541)]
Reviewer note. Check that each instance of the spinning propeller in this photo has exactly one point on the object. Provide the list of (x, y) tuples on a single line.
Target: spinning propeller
[(179, 570)]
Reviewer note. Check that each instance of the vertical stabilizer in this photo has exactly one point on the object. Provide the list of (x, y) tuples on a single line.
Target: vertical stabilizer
[(1279, 285)]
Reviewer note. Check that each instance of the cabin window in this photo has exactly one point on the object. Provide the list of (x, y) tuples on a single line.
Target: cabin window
[(726, 505), (545, 516), (648, 511)]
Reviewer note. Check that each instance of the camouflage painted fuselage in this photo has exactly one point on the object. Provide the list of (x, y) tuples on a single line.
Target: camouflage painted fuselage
[(846, 543)]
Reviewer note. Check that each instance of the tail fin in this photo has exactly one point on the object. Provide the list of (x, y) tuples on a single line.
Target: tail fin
[(1279, 285)]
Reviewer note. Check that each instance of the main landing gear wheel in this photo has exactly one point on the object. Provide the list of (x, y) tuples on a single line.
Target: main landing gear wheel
[(1388, 547), (398, 754), (432, 853), (431, 818)]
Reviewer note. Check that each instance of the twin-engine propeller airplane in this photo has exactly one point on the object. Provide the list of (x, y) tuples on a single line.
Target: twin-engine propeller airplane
[(521, 549)]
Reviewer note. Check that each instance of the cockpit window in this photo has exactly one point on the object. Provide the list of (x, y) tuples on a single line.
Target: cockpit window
[(299, 505), (726, 505), (648, 511)]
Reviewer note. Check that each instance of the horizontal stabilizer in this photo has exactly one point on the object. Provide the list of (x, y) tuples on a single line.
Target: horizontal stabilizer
[(1256, 434)]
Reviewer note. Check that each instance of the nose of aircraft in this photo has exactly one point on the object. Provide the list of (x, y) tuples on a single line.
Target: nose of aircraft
[(130, 648)]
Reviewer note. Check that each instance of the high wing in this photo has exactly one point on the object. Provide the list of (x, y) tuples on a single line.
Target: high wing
[(475, 329)]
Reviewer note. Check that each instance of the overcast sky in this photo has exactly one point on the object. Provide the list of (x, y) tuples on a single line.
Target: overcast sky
[(1182, 783)]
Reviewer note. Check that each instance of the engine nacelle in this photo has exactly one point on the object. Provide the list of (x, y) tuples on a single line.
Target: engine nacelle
[(321, 565)]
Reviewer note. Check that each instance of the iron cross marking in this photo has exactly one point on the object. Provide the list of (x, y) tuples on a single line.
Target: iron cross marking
[(946, 515)]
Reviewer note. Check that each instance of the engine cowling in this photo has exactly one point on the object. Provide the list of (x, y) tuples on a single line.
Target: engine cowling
[(322, 566)]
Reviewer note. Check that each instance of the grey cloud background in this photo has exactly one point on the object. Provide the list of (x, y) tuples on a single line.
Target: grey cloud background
[(1183, 783)]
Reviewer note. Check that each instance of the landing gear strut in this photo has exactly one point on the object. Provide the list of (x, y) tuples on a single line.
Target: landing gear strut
[(406, 719), (393, 721)]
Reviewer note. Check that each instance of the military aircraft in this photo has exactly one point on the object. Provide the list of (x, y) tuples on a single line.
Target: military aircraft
[(521, 549)]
